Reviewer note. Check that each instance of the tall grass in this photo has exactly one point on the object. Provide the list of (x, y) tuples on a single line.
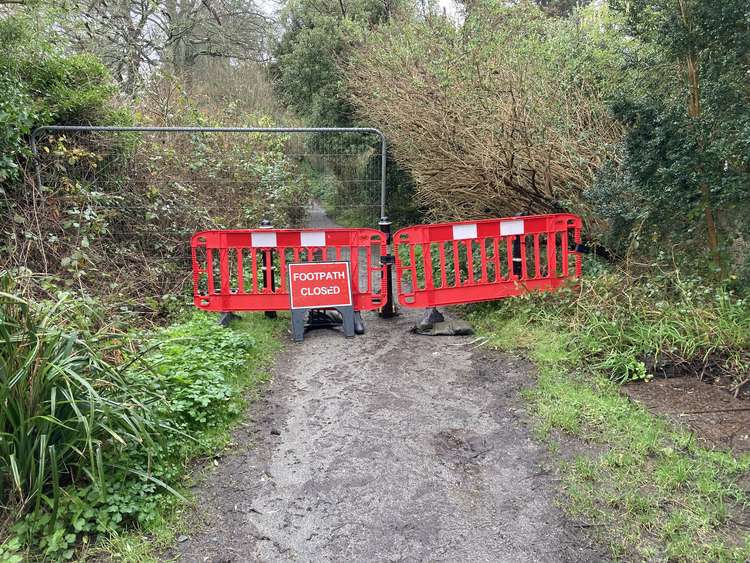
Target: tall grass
[(629, 326), (62, 407)]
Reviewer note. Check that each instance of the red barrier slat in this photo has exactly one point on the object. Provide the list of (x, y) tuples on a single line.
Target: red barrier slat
[(496, 258), (224, 270), (482, 287), (443, 274), (254, 255), (267, 270), (456, 266), (210, 270), (469, 262)]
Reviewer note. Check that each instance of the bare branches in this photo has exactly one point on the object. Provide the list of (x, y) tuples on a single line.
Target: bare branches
[(134, 36), (492, 130)]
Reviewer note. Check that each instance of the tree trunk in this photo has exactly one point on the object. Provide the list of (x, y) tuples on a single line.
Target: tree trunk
[(694, 111)]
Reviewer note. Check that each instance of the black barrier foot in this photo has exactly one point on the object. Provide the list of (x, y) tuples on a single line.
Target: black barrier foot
[(323, 318), (431, 317), (226, 318), (298, 324), (347, 314), (359, 325)]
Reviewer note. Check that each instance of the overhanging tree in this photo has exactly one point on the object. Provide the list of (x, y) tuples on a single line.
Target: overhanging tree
[(688, 147)]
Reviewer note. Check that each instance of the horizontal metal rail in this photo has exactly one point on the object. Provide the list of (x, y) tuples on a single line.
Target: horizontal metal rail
[(277, 130)]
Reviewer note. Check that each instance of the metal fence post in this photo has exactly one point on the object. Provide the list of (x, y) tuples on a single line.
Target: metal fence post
[(389, 308), (268, 268), (517, 260), (517, 269)]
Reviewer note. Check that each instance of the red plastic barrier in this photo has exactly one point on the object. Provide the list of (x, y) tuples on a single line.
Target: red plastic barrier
[(472, 261), (246, 270)]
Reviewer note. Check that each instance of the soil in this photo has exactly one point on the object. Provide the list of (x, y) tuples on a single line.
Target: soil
[(700, 394), (390, 446), (717, 418), (387, 447)]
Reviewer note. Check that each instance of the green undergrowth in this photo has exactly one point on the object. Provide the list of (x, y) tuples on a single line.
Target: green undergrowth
[(643, 486), (172, 397), (232, 362)]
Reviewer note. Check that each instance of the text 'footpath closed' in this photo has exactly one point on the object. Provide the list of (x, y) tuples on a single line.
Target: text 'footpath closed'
[(319, 285)]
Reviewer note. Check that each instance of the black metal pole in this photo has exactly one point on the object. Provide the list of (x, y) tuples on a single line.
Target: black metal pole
[(517, 270), (389, 307), (268, 268)]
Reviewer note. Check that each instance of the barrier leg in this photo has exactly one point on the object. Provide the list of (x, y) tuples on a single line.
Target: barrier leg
[(389, 309), (298, 324), (227, 317), (347, 315)]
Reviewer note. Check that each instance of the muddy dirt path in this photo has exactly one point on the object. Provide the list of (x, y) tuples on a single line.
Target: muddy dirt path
[(387, 447)]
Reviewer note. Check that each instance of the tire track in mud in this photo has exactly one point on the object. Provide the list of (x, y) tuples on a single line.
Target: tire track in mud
[(387, 447)]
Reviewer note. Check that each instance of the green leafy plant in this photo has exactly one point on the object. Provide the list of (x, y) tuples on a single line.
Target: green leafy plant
[(686, 151), (90, 447), (63, 406)]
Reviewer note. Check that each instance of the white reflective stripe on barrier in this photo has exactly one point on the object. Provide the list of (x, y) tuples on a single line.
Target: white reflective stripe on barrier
[(317, 238), (508, 228), (263, 239), (464, 231)]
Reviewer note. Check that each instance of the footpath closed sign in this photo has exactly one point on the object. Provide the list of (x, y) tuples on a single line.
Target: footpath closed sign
[(319, 285)]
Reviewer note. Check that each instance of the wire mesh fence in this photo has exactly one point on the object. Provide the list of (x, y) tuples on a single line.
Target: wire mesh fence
[(112, 212)]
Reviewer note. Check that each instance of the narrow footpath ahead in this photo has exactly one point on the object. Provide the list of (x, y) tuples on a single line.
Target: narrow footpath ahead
[(387, 447)]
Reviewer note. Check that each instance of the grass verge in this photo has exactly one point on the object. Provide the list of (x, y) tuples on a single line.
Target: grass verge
[(646, 489)]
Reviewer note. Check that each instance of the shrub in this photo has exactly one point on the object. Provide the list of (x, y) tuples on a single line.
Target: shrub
[(65, 410), (684, 168), (89, 446), (503, 114), (41, 85)]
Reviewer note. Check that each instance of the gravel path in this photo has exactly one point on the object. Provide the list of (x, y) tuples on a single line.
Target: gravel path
[(386, 447)]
